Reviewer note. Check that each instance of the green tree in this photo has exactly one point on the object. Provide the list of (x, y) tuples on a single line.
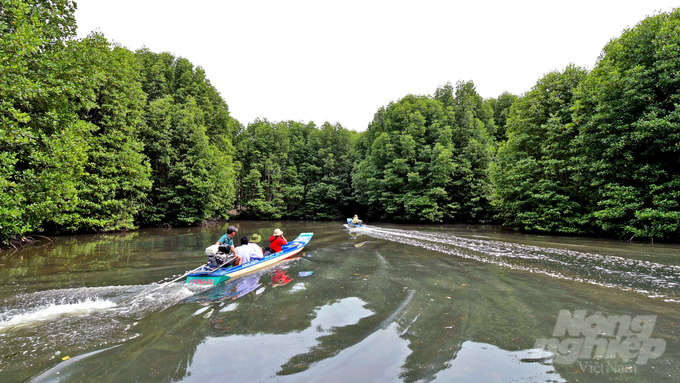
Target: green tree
[(64, 105), (190, 175), (263, 147), (296, 178), (115, 179), (295, 170), (421, 164), (628, 118), (37, 167), (471, 112), (501, 110), (328, 172), (188, 139), (535, 177)]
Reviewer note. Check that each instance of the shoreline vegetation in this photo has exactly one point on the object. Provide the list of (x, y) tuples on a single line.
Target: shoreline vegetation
[(97, 138)]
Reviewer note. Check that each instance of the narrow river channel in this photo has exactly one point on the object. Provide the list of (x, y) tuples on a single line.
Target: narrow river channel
[(382, 303)]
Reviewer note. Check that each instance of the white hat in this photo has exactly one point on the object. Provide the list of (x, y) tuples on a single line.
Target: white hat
[(278, 232)]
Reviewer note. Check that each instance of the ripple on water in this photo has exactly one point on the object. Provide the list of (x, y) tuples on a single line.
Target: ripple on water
[(652, 279), (44, 323)]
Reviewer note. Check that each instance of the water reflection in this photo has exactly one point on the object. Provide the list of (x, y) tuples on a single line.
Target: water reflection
[(264, 354), (239, 287), (279, 278), (380, 355), (423, 304), (479, 362)]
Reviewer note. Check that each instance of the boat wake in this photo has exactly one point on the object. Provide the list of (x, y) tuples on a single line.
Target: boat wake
[(46, 322), (652, 279), (52, 311), (44, 306)]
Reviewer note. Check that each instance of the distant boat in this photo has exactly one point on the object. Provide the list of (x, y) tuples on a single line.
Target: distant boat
[(349, 222), (207, 276)]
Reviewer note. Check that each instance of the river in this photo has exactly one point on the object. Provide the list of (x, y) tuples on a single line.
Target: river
[(382, 303)]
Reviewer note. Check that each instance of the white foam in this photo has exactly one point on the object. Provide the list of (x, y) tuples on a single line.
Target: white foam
[(51, 311), (658, 279), (201, 310), (230, 307)]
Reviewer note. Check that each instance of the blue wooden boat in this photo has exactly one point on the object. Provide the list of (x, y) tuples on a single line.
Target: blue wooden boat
[(207, 276), (349, 222)]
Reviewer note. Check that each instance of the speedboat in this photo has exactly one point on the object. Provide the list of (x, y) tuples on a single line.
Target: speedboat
[(349, 222)]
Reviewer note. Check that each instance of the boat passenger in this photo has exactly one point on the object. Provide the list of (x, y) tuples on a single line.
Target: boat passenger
[(247, 252), (355, 220), (227, 239), (277, 240)]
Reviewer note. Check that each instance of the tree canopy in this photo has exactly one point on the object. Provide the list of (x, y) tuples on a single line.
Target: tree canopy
[(96, 138), (88, 126), (535, 178), (188, 140), (597, 152), (628, 118), (425, 158), (295, 170)]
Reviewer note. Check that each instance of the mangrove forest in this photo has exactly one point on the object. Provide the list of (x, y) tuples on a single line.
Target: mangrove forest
[(95, 137)]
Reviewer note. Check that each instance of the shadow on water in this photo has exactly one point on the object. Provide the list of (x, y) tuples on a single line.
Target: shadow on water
[(408, 304)]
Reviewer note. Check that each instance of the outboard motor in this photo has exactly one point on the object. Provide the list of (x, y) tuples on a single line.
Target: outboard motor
[(217, 255), (227, 259), (212, 250)]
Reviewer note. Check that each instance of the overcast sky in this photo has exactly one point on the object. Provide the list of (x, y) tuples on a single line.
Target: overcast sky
[(340, 61)]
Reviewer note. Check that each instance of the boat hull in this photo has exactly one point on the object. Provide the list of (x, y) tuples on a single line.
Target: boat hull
[(208, 278), (350, 224)]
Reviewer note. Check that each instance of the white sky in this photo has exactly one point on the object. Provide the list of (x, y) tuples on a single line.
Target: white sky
[(341, 61)]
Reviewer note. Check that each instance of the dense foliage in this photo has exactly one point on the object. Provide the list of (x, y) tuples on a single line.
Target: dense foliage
[(598, 152), (426, 158), (95, 138), (187, 139), (70, 108), (28, 191), (535, 172), (629, 122), (293, 170), (501, 110)]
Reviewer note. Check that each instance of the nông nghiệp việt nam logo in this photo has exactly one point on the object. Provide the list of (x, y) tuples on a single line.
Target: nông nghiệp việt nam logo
[(597, 336)]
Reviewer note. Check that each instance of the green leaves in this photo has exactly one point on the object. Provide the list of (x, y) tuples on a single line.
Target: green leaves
[(74, 124), (535, 167), (43, 141), (294, 170), (96, 138), (596, 153), (628, 122), (115, 178), (424, 164), (188, 140)]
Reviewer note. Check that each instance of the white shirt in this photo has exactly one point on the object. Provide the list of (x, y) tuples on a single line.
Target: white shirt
[(249, 252)]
